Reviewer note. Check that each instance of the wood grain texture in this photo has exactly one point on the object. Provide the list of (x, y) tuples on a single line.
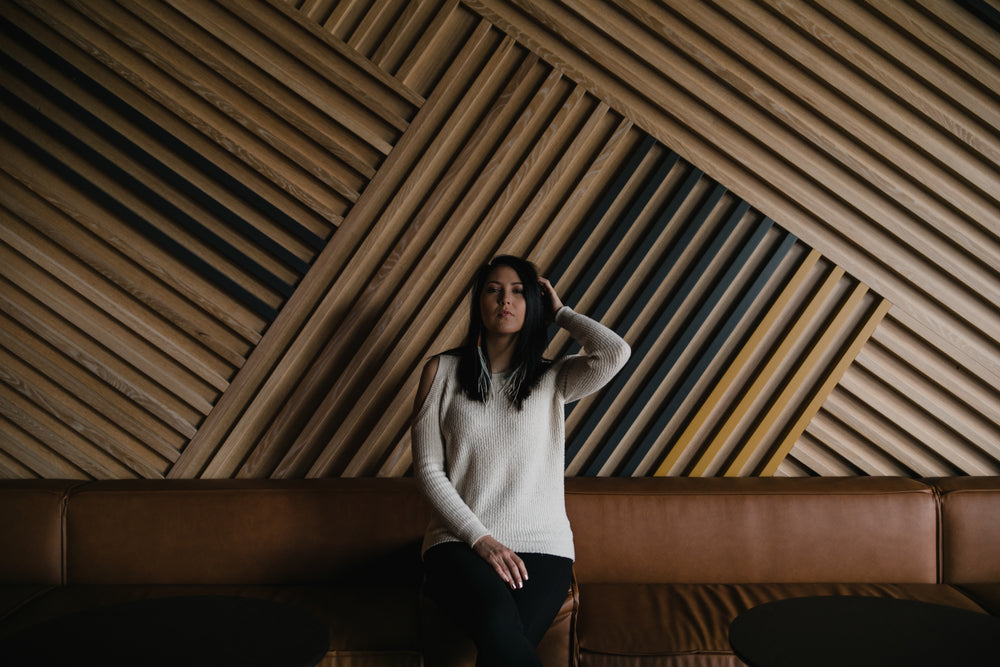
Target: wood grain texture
[(232, 232)]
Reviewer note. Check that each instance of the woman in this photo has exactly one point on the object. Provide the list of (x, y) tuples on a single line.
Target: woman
[(488, 439)]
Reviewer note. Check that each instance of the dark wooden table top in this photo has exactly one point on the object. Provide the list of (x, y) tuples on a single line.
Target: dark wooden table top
[(172, 631), (859, 631)]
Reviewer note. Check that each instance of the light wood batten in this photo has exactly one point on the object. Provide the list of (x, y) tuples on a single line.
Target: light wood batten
[(232, 232)]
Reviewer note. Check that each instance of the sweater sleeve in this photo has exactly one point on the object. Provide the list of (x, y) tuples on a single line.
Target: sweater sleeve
[(604, 354), (428, 448)]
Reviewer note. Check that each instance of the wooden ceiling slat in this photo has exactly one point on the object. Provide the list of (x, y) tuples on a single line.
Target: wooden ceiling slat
[(209, 115), (262, 207), (27, 456), (101, 258), (400, 39), (60, 101), (96, 360), (320, 10), (24, 345), (465, 190), (748, 352), (50, 437), (966, 26), (438, 46), (812, 458), (277, 366), (870, 457), (911, 425), (803, 409), (935, 400), (794, 434), (10, 466), (897, 64), (161, 126), (380, 91), (892, 441), (659, 113), (689, 339), (92, 428), (313, 135), (721, 337), (87, 285), (424, 211), (956, 384), (372, 106), (754, 394), (100, 180), (104, 224), (152, 126), (854, 79), (370, 32), (264, 106), (578, 119), (682, 231), (96, 325), (919, 42), (855, 138)]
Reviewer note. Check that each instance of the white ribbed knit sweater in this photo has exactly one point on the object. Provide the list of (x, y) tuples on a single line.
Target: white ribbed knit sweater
[(489, 469)]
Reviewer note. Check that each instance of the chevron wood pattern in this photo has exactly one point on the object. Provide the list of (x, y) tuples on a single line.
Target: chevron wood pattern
[(231, 231)]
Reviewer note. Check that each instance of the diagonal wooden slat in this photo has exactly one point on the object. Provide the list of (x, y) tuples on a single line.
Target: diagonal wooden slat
[(233, 231)]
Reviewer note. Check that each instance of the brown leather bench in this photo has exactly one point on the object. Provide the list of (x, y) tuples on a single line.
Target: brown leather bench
[(663, 565)]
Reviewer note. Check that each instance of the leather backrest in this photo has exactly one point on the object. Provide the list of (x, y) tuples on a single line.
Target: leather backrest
[(243, 531), (684, 530), (970, 534), (31, 528)]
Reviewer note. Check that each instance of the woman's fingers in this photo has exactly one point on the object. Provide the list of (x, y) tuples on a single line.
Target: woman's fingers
[(549, 292), (507, 564)]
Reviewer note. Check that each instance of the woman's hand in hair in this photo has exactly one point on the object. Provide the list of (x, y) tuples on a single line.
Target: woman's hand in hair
[(507, 564), (550, 297)]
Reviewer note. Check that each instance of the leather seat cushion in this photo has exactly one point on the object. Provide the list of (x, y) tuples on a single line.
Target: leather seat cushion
[(642, 623), (364, 618)]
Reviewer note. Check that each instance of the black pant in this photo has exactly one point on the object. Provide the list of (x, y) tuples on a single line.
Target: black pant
[(505, 624)]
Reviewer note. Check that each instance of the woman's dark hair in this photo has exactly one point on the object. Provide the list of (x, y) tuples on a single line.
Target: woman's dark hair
[(529, 365)]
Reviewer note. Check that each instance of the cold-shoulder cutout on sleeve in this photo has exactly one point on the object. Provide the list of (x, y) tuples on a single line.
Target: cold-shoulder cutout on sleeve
[(427, 376)]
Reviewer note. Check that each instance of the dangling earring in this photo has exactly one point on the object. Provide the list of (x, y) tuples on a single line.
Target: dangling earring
[(484, 369)]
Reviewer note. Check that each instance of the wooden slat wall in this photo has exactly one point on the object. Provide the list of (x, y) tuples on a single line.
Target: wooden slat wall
[(870, 131), (169, 178), (233, 231)]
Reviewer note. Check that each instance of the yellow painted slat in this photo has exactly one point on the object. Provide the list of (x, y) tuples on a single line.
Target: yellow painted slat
[(711, 403), (808, 410), (783, 401), (778, 356)]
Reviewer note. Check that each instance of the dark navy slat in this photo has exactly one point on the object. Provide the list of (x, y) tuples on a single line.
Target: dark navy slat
[(683, 340), (983, 11), (722, 335), (649, 291), (142, 156), (137, 222), (642, 346), (597, 213)]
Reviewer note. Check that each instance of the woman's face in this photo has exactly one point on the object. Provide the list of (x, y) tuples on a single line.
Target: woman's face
[(501, 303)]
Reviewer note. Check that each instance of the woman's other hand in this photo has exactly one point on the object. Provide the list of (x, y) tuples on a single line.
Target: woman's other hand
[(507, 564), (550, 297)]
